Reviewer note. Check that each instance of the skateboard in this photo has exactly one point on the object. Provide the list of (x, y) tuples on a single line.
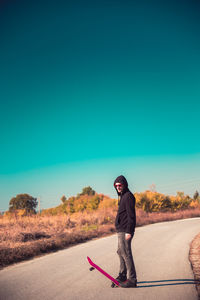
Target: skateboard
[(115, 283)]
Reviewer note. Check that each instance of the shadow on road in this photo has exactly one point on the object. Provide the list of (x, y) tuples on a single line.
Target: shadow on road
[(167, 282)]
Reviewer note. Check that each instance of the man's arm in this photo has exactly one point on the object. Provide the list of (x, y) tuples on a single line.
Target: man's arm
[(130, 210)]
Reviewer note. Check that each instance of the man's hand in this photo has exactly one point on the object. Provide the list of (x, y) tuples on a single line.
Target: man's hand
[(127, 236)]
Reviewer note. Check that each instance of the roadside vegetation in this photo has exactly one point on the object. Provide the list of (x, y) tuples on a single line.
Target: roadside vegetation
[(194, 256), (25, 234)]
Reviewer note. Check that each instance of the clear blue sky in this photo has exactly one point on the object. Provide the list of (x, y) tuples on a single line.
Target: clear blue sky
[(95, 89)]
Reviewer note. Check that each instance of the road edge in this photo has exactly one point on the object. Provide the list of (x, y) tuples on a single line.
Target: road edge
[(194, 257)]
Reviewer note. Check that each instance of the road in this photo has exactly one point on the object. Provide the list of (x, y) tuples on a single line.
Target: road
[(161, 257)]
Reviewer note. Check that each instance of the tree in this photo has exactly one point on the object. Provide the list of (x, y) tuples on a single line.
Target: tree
[(69, 205), (196, 195), (63, 199), (166, 204), (93, 203), (153, 188), (23, 201), (145, 202), (87, 191)]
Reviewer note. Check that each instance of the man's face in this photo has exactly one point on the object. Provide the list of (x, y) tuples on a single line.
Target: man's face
[(119, 187)]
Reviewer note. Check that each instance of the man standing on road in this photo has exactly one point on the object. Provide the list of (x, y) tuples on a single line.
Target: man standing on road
[(125, 223)]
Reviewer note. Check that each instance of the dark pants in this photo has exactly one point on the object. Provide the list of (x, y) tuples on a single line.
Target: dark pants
[(125, 256)]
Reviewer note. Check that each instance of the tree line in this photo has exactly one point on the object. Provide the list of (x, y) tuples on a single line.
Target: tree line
[(89, 200)]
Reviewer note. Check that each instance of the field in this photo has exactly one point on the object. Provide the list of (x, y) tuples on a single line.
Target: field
[(26, 237)]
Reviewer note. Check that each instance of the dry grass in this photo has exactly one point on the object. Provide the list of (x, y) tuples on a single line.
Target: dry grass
[(194, 256), (25, 237), (144, 218)]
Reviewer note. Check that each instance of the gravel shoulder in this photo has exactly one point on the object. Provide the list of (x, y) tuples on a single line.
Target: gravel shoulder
[(194, 257)]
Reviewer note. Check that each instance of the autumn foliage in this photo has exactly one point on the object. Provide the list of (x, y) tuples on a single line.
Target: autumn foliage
[(148, 201), (154, 202), (80, 218)]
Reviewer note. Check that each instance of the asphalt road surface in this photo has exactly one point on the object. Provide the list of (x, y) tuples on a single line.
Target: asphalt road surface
[(160, 253)]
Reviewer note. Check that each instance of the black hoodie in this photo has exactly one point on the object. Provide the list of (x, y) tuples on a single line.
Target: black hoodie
[(126, 218)]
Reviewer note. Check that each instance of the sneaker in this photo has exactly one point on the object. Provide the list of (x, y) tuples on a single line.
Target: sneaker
[(129, 284), (121, 277)]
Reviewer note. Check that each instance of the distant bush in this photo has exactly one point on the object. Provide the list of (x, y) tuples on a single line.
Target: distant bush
[(153, 201), (75, 204), (148, 201)]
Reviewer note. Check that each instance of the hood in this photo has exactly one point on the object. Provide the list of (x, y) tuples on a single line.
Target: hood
[(121, 179)]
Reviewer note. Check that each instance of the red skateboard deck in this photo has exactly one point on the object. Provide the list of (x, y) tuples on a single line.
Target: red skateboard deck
[(102, 271)]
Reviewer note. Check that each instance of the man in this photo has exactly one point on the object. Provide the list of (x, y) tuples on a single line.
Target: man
[(125, 225)]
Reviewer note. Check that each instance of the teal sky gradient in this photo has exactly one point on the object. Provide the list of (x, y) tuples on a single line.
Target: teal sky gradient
[(93, 90)]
